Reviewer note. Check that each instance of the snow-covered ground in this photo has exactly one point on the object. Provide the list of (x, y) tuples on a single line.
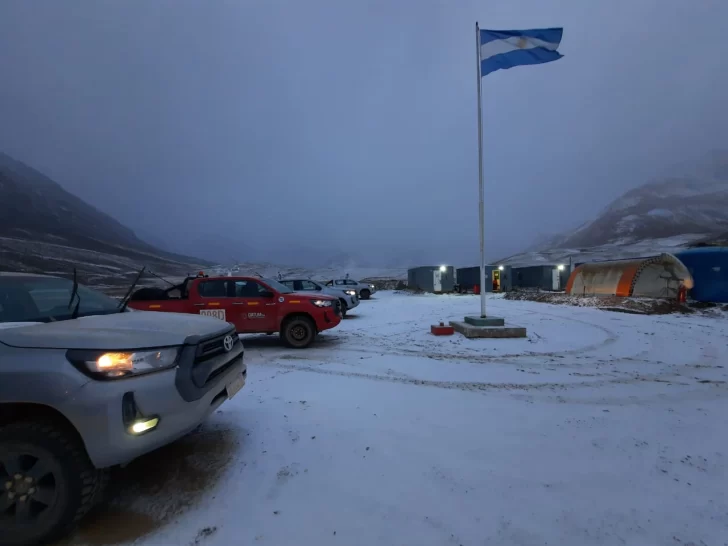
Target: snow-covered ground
[(600, 429)]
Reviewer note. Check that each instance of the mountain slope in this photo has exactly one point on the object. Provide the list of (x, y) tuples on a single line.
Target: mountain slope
[(31, 204), (664, 208), (43, 227), (657, 217)]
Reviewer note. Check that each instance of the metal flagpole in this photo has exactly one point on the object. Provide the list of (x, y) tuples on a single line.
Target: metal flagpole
[(480, 178)]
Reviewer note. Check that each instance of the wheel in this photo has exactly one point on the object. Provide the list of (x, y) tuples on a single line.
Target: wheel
[(344, 308), (47, 482), (365, 294), (298, 332)]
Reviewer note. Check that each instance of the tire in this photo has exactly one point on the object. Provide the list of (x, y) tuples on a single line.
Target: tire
[(67, 485), (344, 308), (298, 332), (365, 294)]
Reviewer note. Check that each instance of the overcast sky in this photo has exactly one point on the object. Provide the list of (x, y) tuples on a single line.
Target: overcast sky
[(350, 125)]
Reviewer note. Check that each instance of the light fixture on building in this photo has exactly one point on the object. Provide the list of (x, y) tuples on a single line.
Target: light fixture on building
[(443, 268), (560, 267), (500, 268)]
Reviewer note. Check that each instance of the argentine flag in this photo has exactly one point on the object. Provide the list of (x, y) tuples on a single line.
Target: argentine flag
[(502, 49)]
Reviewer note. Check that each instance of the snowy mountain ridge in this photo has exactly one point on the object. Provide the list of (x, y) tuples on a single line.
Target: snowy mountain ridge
[(44, 229), (325, 273), (659, 216)]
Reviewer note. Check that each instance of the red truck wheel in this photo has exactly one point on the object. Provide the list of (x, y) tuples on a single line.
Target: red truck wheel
[(298, 332)]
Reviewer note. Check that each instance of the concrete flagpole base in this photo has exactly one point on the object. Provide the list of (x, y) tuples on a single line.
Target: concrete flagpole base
[(484, 321), (487, 327)]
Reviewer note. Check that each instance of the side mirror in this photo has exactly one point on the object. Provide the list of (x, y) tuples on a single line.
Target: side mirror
[(318, 288), (267, 294)]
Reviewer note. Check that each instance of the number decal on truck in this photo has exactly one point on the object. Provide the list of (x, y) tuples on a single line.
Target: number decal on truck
[(217, 313)]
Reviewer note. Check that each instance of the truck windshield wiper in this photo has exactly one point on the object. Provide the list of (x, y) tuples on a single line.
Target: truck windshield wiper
[(125, 301), (74, 294)]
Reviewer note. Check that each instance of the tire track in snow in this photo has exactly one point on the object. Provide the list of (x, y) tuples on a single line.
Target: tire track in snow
[(459, 385), (611, 337), (478, 386), (520, 359), (342, 341)]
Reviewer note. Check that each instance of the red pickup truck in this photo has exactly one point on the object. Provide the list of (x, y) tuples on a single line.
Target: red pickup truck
[(254, 305)]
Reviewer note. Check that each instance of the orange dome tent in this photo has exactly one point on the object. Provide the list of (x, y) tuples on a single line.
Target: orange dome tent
[(653, 277)]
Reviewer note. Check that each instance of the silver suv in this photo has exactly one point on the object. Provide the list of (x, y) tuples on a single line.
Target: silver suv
[(86, 384), (347, 296), (363, 289)]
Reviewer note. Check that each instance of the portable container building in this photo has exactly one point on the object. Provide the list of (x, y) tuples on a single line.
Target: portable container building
[(432, 278), (709, 268), (544, 277), (497, 278)]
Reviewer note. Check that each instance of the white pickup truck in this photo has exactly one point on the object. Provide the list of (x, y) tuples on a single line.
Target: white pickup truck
[(364, 290), (86, 384)]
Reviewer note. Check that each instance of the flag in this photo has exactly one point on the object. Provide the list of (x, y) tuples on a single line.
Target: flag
[(502, 49)]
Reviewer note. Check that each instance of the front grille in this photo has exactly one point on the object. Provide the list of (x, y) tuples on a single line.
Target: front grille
[(212, 360), (213, 347), (204, 363), (219, 371)]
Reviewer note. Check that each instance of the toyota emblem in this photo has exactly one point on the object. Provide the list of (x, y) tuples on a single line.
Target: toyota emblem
[(228, 343)]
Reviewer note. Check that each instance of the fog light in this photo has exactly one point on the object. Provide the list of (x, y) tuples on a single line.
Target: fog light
[(144, 426)]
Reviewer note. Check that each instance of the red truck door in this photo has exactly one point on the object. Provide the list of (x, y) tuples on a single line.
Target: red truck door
[(212, 300), (256, 305), (249, 305)]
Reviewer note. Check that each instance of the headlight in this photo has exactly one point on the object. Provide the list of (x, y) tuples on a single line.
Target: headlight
[(371, 286), (322, 303), (350, 292), (115, 364)]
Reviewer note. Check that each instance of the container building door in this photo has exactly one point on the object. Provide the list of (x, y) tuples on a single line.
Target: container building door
[(437, 281), (555, 279)]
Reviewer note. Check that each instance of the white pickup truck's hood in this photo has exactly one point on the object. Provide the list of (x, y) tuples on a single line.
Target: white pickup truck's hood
[(118, 331), (4, 325)]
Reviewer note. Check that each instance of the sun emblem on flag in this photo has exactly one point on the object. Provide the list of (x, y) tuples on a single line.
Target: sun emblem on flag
[(521, 43)]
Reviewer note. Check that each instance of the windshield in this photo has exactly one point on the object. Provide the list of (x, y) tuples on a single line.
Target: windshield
[(45, 299), (278, 287)]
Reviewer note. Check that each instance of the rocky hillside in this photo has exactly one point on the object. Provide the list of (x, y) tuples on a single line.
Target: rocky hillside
[(689, 204), (680, 210), (44, 228)]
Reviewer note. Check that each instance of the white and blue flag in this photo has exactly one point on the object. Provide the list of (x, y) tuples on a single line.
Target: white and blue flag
[(502, 49)]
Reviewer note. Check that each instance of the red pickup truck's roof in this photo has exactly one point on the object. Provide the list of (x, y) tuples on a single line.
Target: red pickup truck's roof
[(305, 295)]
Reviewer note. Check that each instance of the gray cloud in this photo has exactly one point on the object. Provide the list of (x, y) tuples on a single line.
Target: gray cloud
[(350, 126)]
